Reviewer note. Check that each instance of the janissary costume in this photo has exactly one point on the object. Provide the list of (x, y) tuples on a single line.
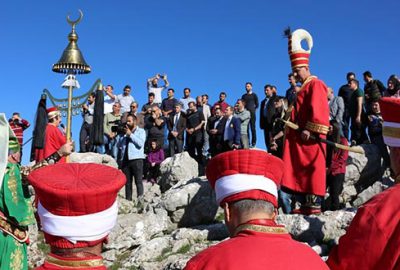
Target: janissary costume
[(77, 207), (15, 206), (53, 139), (257, 243), (305, 160), (373, 238)]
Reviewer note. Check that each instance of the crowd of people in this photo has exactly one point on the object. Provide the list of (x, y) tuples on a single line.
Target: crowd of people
[(171, 125), (250, 185)]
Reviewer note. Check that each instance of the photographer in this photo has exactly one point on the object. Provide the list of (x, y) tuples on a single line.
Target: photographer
[(18, 125), (131, 145), (152, 87), (112, 129), (155, 125)]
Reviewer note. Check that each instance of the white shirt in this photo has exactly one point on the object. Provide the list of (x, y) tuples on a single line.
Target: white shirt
[(108, 104)]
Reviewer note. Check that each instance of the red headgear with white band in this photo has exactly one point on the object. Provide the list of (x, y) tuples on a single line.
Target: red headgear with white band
[(298, 56), (52, 112), (77, 202), (245, 174), (390, 109)]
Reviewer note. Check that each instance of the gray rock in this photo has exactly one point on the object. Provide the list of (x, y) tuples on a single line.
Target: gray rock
[(151, 250), (190, 202), (177, 168), (135, 229), (368, 193), (312, 229), (90, 157)]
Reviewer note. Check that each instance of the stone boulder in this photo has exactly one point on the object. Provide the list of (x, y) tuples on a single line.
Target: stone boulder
[(361, 171), (177, 168), (190, 202), (327, 227), (90, 157)]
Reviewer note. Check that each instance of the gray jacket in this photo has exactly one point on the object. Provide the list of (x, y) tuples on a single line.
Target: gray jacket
[(244, 118), (336, 109)]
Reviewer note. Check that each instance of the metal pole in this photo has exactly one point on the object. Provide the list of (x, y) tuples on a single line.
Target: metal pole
[(69, 116)]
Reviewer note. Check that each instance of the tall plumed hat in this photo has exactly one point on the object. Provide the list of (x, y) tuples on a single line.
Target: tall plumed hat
[(298, 56)]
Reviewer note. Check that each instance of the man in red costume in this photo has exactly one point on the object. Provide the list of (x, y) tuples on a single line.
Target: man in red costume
[(72, 194), (372, 240), (304, 158), (245, 183), (54, 138)]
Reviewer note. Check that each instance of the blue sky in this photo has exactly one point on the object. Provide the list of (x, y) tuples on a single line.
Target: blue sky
[(209, 46)]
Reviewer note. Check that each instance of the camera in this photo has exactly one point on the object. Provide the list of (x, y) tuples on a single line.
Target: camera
[(118, 126)]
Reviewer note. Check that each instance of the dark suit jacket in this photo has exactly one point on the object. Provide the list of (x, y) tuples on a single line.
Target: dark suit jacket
[(233, 131), (216, 140), (180, 127), (266, 122)]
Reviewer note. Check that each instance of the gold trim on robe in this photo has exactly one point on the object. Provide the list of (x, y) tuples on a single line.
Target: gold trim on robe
[(317, 128), (261, 228), (74, 263)]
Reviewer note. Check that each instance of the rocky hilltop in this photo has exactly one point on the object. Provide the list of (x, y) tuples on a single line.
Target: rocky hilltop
[(180, 216)]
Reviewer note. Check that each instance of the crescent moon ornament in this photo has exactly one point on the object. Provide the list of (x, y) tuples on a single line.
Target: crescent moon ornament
[(73, 23)]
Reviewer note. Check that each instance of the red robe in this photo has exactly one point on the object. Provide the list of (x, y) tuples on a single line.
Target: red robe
[(53, 140), (305, 160), (253, 249), (54, 262), (372, 241)]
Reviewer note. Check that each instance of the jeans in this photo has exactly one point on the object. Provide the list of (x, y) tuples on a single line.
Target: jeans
[(109, 146), (133, 168)]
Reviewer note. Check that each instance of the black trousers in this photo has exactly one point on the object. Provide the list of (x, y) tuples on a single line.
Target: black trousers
[(266, 139), (84, 138), (175, 146), (252, 128), (335, 184), (153, 172), (133, 168), (358, 132), (346, 120)]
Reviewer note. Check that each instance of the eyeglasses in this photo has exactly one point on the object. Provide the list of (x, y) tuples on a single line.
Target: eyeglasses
[(133, 106)]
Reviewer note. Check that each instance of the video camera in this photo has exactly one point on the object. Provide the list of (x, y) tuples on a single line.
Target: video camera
[(118, 126)]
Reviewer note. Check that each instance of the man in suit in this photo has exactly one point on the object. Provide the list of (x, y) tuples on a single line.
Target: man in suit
[(267, 111), (215, 130), (176, 126), (231, 130)]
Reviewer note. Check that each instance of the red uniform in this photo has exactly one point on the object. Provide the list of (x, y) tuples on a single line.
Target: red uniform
[(305, 160), (373, 238), (260, 244), (53, 140), (54, 262)]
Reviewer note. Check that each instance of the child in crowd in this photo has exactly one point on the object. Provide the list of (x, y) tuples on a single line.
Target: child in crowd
[(154, 159), (337, 169)]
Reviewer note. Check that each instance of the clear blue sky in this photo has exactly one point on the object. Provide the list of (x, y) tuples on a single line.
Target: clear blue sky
[(209, 46)]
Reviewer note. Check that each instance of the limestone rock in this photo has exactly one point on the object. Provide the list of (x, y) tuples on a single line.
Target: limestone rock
[(190, 202), (90, 157), (177, 168), (368, 193)]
